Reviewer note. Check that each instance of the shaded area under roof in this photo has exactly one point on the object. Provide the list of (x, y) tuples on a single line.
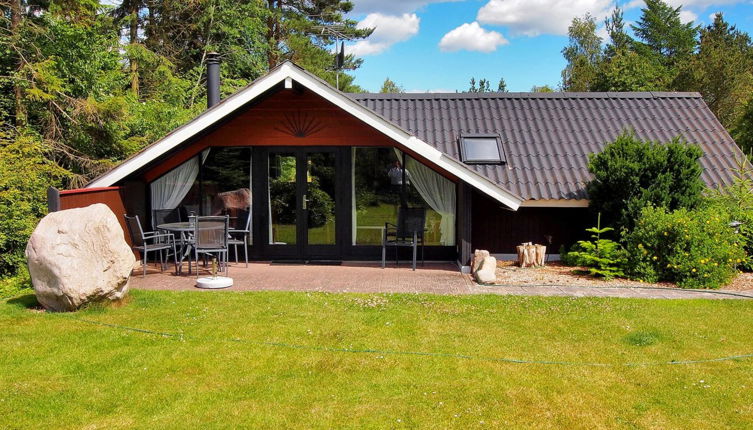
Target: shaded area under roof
[(547, 136)]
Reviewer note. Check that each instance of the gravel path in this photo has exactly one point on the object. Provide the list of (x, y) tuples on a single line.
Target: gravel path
[(556, 279)]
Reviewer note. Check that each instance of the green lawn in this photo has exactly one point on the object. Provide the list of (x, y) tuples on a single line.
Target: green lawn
[(60, 372)]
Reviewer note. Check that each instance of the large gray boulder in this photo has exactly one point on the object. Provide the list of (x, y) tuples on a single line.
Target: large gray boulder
[(77, 256)]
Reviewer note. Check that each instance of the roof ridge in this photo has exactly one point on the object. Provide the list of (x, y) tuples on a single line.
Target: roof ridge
[(531, 95)]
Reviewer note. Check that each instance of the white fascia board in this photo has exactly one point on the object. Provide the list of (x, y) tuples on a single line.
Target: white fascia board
[(555, 203), (180, 135), (283, 73), (411, 142)]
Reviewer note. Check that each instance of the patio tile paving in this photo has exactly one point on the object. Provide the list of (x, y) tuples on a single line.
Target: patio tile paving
[(433, 278)]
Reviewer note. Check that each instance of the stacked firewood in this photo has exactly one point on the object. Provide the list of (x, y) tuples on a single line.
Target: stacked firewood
[(530, 255)]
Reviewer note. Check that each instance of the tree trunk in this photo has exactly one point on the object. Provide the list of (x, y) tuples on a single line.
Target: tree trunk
[(530, 255), (19, 108), (273, 32), (134, 38)]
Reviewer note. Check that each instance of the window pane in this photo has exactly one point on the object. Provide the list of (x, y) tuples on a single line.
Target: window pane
[(481, 149), (226, 185), (437, 194), (320, 198), (377, 178), (376, 189), (282, 199)]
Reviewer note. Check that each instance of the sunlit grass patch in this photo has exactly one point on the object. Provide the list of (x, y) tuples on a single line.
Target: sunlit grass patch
[(322, 360)]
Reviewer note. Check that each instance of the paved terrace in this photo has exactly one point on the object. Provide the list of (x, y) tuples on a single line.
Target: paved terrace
[(433, 278)]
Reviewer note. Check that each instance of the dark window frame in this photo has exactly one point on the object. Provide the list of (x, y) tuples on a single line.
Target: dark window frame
[(500, 148)]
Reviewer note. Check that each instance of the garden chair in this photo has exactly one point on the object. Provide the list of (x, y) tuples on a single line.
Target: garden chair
[(140, 241), (164, 216), (211, 237), (409, 232), (239, 235)]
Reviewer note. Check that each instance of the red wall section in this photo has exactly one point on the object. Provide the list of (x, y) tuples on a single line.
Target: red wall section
[(110, 196), (287, 118)]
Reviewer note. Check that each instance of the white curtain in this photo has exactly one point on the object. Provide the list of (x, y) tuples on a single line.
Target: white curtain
[(438, 192), (171, 188)]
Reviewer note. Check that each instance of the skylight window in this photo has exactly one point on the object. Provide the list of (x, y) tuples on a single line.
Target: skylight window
[(482, 150)]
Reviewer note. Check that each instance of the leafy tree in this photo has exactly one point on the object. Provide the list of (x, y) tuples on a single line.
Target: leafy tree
[(502, 86), (301, 30), (389, 86), (542, 89), (627, 70), (743, 129), (660, 59), (583, 55), (184, 32), (485, 86), (128, 14), (630, 174), (25, 175), (722, 70)]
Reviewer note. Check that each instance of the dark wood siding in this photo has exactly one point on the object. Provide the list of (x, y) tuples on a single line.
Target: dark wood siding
[(499, 230)]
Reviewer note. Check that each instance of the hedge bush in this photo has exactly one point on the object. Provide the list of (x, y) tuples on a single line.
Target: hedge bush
[(736, 199), (692, 248), (630, 174)]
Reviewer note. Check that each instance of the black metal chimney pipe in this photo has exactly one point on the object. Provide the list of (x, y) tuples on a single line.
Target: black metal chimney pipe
[(213, 79)]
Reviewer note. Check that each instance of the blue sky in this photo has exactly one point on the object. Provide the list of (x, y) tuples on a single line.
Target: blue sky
[(437, 45)]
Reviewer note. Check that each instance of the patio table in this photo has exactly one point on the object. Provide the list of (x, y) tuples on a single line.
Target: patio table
[(182, 228)]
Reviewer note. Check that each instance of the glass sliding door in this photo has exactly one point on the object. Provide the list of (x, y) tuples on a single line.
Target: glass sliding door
[(283, 198), (381, 185), (319, 199), (226, 185), (217, 181), (302, 189)]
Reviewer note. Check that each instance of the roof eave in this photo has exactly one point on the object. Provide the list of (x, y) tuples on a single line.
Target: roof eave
[(289, 70)]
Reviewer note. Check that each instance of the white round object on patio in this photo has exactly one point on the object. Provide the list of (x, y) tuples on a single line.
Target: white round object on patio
[(214, 283)]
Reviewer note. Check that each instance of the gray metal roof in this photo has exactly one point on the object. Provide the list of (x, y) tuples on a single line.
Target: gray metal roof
[(547, 136)]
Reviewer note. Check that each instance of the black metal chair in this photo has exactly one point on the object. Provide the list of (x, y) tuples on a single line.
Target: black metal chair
[(239, 235), (409, 232), (164, 216), (211, 237), (140, 242)]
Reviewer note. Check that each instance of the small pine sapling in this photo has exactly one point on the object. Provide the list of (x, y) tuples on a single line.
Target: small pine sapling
[(602, 257)]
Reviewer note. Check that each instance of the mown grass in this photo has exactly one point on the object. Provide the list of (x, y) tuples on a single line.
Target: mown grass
[(57, 371)]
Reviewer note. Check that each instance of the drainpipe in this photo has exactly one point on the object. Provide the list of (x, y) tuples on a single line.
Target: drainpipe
[(213, 79)]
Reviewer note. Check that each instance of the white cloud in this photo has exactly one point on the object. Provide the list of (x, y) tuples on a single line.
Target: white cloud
[(392, 7), (388, 30), (687, 16), (471, 37), (700, 4), (535, 17)]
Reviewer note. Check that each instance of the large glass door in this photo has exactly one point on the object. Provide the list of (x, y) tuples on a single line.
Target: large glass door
[(302, 188)]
